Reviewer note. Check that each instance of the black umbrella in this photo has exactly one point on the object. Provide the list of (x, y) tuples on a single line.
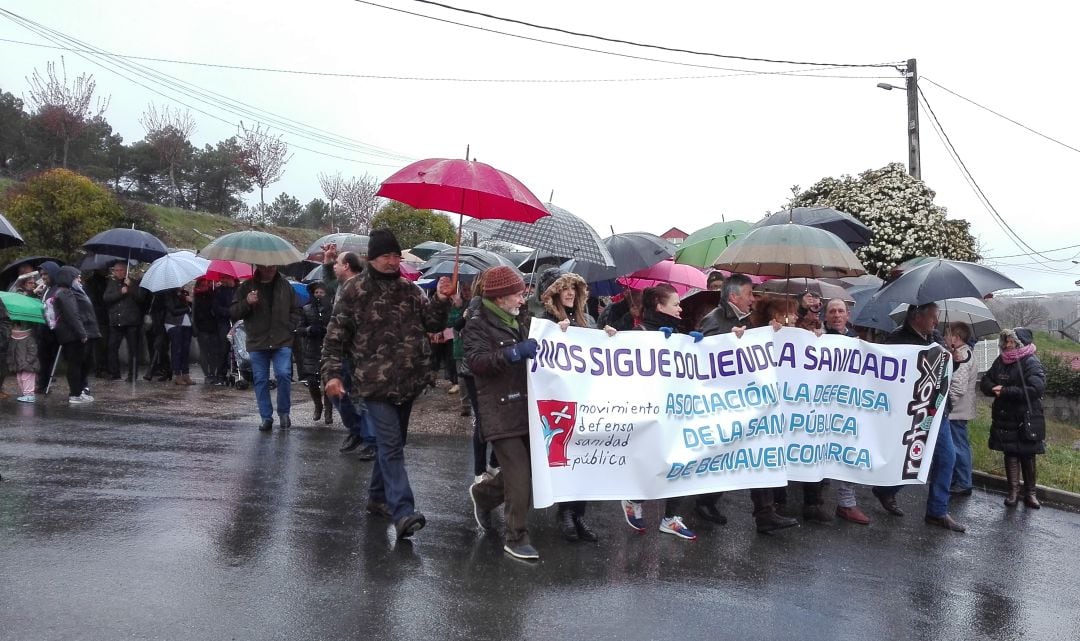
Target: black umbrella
[(11, 271), (632, 252), (846, 226), (129, 243), (480, 259), (941, 279), (9, 237), (427, 249), (92, 262)]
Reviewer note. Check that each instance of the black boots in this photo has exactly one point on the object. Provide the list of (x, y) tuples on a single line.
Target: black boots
[(328, 412), (1012, 475), (1027, 466), (564, 518), (317, 400)]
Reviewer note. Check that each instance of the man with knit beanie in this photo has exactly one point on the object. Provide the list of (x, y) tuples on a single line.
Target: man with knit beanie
[(496, 346), (380, 323)]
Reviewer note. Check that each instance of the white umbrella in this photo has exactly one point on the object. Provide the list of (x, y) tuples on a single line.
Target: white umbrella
[(174, 270), (972, 311)]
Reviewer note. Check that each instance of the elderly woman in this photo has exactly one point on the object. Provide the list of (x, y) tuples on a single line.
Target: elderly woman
[(961, 403), (1017, 381)]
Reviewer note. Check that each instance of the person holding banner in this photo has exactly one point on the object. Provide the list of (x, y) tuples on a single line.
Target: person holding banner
[(564, 304), (661, 312), (733, 316), (919, 328), (836, 322), (497, 345)]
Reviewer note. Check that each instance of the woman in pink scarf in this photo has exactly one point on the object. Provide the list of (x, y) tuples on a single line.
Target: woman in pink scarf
[(1017, 381)]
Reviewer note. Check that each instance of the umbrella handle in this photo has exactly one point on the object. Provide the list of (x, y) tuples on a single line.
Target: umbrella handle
[(457, 253)]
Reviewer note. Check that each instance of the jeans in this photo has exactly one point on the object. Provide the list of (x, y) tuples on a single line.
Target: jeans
[(354, 418), (180, 352), (941, 472), (961, 478), (281, 359), (389, 479)]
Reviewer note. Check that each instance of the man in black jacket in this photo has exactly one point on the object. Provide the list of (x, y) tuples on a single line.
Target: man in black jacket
[(732, 316), (124, 298)]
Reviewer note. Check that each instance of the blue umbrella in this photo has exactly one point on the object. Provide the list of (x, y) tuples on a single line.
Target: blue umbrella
[(301, 292)]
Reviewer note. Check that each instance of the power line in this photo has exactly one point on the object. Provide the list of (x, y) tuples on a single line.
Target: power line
[(645, 45), (570, 46), (1000, 115), (330, 74), (1043, 252), (106, 60), (1010, 233)]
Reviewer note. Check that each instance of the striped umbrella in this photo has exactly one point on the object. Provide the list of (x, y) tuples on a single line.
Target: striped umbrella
[(253, 247), (790, 251)]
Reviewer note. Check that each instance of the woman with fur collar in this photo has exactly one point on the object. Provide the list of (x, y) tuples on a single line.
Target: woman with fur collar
[(564, 303)]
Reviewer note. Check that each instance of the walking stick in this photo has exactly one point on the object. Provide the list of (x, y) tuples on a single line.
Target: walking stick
[(52, 374)]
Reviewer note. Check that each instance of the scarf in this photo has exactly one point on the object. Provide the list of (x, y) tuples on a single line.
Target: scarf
[(501, 314), (656, 319), (1010, 356)]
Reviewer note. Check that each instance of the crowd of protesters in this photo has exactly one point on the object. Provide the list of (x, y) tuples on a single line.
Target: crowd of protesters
[(369, 342)]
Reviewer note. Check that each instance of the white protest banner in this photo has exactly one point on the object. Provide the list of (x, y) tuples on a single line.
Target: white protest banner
[(641, 416)]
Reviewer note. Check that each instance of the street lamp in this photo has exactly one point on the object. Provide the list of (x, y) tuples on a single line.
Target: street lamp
[(912, 89)]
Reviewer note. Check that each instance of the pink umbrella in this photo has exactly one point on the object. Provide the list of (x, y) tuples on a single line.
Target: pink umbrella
[(682, 277), (231, 268), (408, 270)]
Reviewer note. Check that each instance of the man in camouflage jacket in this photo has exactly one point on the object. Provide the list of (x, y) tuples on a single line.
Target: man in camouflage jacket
[(380, 322)]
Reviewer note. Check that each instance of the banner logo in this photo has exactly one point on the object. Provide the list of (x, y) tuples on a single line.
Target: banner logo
[(558, 419), (926, 398)]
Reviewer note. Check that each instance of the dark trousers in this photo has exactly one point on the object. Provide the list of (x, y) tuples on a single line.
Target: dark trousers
[(207, 352), (75, 359), (762, 499), (512, 486), (130, 335), (158, 340), (101, 349), (180, 348), (352, 417), (480, 446), (220, 367), (389, 479)]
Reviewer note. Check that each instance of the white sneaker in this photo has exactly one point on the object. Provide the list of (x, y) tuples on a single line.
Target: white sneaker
[(27, 398), (86, 397), (453, 389), (77, 400)]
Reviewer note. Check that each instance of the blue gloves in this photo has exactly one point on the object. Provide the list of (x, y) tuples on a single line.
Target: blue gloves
[(697, 336), (667, 331), (524, 349)]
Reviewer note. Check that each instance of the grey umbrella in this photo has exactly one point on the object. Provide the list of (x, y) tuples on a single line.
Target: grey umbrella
[(972, 311), (9, 237), (426, 249), (941, 279), (846, 226), (561, 233), (479, 259), (344, 241)]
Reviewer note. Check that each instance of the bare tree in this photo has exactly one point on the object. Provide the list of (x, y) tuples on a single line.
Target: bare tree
[(262, 158), (359, 203), (168, 132), (333, 188), (1024, 313), (65, 110)]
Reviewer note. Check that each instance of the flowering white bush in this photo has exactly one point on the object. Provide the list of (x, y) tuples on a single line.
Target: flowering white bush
[(901, 212)]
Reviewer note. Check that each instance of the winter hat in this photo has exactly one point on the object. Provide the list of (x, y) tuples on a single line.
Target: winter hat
[(382, 242), (1021, 335), (502, 281), (1004, 337)]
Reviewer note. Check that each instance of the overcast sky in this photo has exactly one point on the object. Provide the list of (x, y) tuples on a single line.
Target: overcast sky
[(635, 155)]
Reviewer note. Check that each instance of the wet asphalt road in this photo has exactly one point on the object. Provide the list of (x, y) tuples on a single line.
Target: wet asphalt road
[(174, 527)]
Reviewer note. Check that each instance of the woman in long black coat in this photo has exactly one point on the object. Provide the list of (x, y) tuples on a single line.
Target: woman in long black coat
[(314, 318), (1017, 381)]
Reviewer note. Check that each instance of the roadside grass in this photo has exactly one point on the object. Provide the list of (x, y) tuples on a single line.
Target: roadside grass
[(1059, 467), (1049, 343)]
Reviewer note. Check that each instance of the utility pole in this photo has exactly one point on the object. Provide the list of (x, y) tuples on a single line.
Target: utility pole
[(914, 156)]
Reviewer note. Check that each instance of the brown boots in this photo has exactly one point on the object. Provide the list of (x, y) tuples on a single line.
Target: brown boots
[(1014, 467), (182, 379)]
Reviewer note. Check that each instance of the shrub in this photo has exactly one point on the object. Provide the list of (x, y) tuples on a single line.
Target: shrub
[(1061, 378)]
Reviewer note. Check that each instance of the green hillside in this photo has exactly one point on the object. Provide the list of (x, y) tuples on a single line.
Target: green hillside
[(184, 229)]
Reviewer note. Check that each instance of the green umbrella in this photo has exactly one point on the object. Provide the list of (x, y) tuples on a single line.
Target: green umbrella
[(252, 247), (23, 308), (701, 248)]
